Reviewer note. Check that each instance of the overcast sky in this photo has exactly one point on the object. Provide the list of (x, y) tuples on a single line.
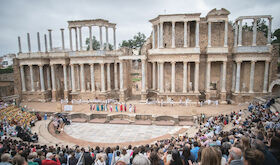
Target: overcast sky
[(17, 17)]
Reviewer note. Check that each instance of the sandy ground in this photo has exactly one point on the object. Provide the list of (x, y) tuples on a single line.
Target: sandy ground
[(181, 110)]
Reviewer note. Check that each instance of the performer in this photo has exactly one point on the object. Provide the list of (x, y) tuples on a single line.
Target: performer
[(97, 107), (125, 107), (130, 108), (121, 107), (102, 107), (116, 107), (111, 108), (93, 107), (134, 109), (90, 107)]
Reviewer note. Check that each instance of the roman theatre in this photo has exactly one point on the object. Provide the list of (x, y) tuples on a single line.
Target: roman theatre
[(188, 65)]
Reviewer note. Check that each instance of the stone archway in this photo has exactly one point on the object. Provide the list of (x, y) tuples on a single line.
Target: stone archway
[(274, 87)]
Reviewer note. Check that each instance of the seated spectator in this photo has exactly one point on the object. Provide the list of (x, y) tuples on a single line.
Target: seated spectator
[(253, 157), (5, 159)]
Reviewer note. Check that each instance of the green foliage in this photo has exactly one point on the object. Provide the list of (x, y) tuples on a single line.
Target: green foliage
[(277, 35), (261, 26), (7, 70), (137, 41), (136, 79), (96, 44)]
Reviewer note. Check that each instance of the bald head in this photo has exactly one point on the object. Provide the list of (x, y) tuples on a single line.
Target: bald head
[(235, 153)]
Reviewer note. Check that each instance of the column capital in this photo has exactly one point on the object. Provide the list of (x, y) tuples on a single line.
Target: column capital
[(62, 29), (224, 62), (49, 30), (173, 62), (91, 64), (30, 65), (238, 61), (185, 62), (253, 61), (65, 64), (40, 65), (197, 62), (81, 64), (267, 61), (80, 27)]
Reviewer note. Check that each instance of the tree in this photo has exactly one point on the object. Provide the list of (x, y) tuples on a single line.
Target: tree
[(261, 26), (96, 44), (277, 35), (137, 41)]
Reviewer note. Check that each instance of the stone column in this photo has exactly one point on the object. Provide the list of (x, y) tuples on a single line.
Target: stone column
[(70, 39), (173, 72), (100, 38), (22, 78), (107, 38), (62, 39), (143, 62), (65, 77), (254, 33), (173, 34), (161, 77), (226, 34), (252, 75), (196, 77), (92, 77), (197, 34), (116, 76), (208, 76), (154, 35), (185, 34), (50, 39), (28, 43), (69, 77), (185, 72), (235, 34), (158, 36), (108, 77), (233, 77), (189, 77), (73, 78), (224, 76), (19, 45), (209, 34), (102, 77), (38, 40), (90, 38), (121, 76), (237, 83), (161, 35), (48, 78), (154, 75), (240, 33), (265, 80), (82, 74), (78, 71), (76, 37), (81, 38), (269, 31), (31, 78), (114, 34), (53, 77), (42, 82), (46, 43), (158, 76)]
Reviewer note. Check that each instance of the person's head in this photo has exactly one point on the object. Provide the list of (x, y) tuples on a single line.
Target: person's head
[(258, 144), (154, 158), (235, 153), (49, 155), (186, 152), (176, 156), (19, 160), (245, 142), (210, 156), (275, 142), (6, 157), (253, 157), (140, 160), (119, 162)]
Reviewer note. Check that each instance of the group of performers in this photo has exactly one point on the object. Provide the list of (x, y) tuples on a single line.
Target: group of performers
[(117, 107)]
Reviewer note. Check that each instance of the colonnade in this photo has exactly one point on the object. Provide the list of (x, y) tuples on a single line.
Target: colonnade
[(225, 33), (223, 76)]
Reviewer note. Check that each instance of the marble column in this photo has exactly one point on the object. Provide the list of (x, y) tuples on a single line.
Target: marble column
[(38, 40), (226, 34), (185, 72), (208, 76), (65, 77), (108, 77), (233, 77), (224, 76), (235, 34), (48, 78), (173, 34), (81, 38), (42, 82), (100, 38), (31, 78), (121, 76), (143, 62), (69, 77), (19, 45), (254, 43), (173, 75), (70, 39), (62, 39), (197, 34), (161, 35), (102, 77), (252, 76), (50, 39), (22, 78), (265, 80), (158, 36), (90, 38), (92, 77), (116, 76), (73, 78), (154, 35), (76, 39), (154, 75), (82, 74), (161, 77), (78, 71), (185, 34), (196, 77), (209, 34), (46, 43), (28, 43), (53, 77), (189, 77), (240, 33), (114, 35), (237, 83), (158, 76), (107, 38), (269, 31)]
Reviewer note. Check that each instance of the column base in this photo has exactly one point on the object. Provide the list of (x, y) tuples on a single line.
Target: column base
[(143, 97), (223, 98), (54, 96)]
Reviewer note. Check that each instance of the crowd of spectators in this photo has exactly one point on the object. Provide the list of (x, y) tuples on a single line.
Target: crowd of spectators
[(253, 140)]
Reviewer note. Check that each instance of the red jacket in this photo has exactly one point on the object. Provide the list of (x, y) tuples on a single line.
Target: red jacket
[(50, 162)]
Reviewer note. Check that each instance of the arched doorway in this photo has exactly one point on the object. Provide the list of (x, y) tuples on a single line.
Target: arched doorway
[(274, 87)]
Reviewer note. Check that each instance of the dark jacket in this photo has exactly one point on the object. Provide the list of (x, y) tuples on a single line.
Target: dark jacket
[(87, 158)]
